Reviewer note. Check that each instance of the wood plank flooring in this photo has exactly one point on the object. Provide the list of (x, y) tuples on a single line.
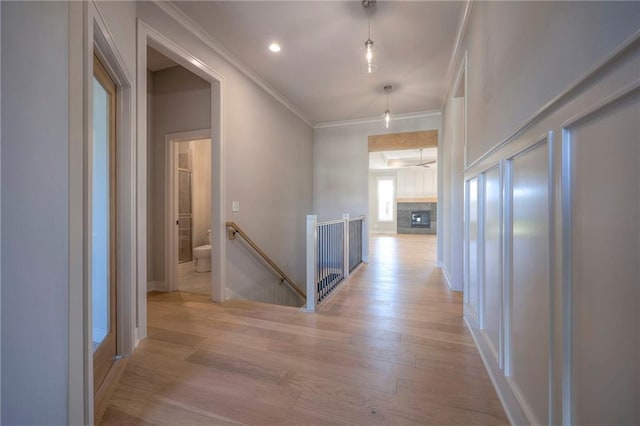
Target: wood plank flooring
[(389, 348)]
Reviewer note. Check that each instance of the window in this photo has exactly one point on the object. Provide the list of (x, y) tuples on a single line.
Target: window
[(386, 192)]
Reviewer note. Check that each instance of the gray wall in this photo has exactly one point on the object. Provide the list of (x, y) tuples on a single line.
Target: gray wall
[(268, 159), (341, 165), (452, 197), (35, 182), (181, 102), (35, 166)]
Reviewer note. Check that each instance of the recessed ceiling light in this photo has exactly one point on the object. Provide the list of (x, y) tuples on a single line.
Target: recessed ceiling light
[(274, 47)]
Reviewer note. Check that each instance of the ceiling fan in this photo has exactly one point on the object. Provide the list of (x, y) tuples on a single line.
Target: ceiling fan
[(421, 163)]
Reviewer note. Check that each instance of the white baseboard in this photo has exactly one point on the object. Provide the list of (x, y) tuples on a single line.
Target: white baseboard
[(156, 286), (506, 394), (447, 278)]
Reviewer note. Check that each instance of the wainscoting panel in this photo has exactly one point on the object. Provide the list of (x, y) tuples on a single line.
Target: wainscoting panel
[(473, 252), (605, 277), (492, 294), (530, 281)]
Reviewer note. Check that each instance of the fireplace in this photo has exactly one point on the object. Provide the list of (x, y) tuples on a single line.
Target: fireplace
[(421, 219)]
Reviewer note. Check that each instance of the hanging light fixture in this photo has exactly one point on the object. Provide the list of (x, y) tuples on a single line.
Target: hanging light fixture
[(368, 45), (387, 113)]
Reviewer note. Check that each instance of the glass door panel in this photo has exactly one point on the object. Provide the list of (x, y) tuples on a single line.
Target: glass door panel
[(102, 238)]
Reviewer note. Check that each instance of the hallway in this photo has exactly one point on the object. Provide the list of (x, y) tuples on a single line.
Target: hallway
[(390, 347)]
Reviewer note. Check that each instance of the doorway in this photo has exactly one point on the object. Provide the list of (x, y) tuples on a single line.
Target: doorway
[(403, 183), (190, 219), (103, 225)]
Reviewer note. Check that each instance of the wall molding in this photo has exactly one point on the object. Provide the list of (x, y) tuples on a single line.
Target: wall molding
[(190, 25), (368, 120), (505, 394), (447, 276), (451, 75)]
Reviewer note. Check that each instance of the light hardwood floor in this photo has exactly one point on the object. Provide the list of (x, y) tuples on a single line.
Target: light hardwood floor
[(389, 347), (191, 281)]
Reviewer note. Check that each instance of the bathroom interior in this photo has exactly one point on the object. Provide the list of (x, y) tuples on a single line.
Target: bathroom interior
[(194, 216)]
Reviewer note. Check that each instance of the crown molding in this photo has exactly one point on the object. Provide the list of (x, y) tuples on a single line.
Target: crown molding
[(368, 120), (455, 53), (179, 16)]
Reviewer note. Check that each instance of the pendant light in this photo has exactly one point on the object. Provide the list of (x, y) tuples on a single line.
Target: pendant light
[(387, 113), (368, 45)]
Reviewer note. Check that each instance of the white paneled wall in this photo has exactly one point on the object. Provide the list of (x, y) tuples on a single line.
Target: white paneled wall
[(492, 297), (604, 148), (472, 288), (552, 254), (414, 182), (529, 284)]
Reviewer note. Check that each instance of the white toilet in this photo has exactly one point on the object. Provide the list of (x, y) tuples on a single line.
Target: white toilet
[(202, 256)]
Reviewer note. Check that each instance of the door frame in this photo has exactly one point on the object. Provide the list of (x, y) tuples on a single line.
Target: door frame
[(91, 35), (150, 36), (171, 247), (107, 349)]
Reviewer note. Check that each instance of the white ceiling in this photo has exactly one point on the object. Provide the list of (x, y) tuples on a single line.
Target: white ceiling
[(381, 160), (320, 69)]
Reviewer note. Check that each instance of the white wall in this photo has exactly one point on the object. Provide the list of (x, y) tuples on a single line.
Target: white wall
[(417, 182), (341, 165), (181, 102), (552, 245), (451, 199), (35, 173)]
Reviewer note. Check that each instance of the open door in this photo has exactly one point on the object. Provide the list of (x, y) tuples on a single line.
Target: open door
[(103, 225)]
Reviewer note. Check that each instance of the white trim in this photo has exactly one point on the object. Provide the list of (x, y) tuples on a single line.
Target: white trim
[(195, 29), (170, 182), (480, 247), (551, 263), (89, 33), (567, 275), (447, 277), (502, 172), (311, 276), (507, 263), (461, 78), (375, 119), (70, 127), (507, 397), (462, 31), (115, 64), (613, 99), (148, 35), (440, 205)]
